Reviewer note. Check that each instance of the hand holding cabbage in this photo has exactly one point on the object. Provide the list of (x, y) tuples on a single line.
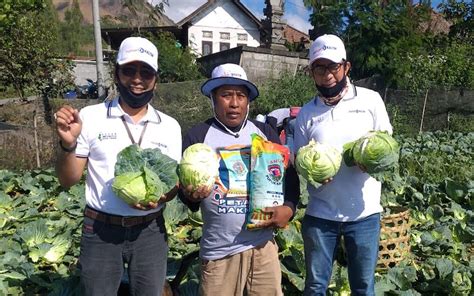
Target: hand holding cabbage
[(143, 176), (375, 153), (318, 162), (198, 170)]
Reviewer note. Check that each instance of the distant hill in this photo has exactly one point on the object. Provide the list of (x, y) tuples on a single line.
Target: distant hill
[(114, 12)]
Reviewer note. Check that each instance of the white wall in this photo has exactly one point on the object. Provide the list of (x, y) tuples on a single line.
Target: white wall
[(222, 16), (88, 69)]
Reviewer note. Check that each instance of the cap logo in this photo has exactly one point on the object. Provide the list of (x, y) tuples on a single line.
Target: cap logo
[(142, 50), (329, 47), (230, 74)]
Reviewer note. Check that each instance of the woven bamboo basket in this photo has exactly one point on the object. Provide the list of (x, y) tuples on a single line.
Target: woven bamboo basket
[(394, 238)]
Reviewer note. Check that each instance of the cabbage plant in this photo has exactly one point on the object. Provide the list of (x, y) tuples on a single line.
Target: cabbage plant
[(375, 152), (143, 175), (318, 162), (199, 166)]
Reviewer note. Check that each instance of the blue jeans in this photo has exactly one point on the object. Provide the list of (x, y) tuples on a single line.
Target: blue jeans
[(321, 238), (105, 248)]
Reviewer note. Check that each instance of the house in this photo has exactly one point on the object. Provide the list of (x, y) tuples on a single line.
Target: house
[(295, 36), (225, 31), (218, 25)]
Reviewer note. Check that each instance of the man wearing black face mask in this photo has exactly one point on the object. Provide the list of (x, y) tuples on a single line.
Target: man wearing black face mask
[(349, 205), (114, 233)]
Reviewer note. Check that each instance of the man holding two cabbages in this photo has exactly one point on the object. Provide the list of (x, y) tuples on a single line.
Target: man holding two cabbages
[(348, 205), (114, 232), (234, 259)]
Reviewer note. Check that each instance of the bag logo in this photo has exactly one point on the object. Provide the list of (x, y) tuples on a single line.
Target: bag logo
[(274, 173)]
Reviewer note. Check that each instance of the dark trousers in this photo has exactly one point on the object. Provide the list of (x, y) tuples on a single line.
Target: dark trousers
[(105, 248)]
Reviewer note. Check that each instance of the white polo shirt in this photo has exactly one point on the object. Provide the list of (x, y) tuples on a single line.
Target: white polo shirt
[(352, 194), (104, 135)]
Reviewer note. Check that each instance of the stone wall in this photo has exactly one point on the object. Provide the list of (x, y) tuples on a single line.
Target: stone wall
[(263, 63), (259, 63)]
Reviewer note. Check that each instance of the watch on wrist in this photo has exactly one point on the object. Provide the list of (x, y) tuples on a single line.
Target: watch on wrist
[(65, 149)]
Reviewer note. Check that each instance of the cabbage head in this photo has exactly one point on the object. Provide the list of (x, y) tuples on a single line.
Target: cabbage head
[(376, 152), (317, 162), (199, 166), (143, 175)]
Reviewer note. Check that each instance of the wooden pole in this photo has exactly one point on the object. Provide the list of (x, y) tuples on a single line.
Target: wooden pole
[(35, 125), (423, 112)]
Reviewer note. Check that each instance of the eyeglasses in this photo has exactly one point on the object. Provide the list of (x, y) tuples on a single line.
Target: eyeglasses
[(321, 69), (145, 72)]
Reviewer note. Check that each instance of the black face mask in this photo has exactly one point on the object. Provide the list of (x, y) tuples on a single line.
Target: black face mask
[(133, 100), (330, 92)]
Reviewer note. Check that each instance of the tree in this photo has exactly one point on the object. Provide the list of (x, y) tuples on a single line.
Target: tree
[(327, 16), (175, 62), (74, 32), (375, 32), (377, 35), (460, 13), (12, 10), (446, 61), (143, 13), (27, 48)]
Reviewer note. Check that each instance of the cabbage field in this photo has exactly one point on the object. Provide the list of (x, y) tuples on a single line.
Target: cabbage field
[(40, 225)]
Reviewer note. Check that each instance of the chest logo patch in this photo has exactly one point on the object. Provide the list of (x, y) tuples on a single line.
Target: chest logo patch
[(107, 136), (357, 111)]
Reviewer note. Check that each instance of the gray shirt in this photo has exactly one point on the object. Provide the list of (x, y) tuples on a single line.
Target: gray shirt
[(224, 213)]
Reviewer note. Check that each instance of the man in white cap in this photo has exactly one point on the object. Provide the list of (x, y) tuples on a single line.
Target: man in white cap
[(348, 205), (235, 261), (114, 233)]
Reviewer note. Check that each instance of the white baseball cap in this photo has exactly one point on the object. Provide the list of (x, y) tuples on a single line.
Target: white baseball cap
[(228, 74), (138, 49), (328, 47)]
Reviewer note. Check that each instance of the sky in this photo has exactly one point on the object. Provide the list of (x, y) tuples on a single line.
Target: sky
[(296, 15)]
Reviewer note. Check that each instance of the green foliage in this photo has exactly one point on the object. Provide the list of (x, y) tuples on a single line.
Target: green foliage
[(40, 226), (143, 13), (183, 101), (27, 49), (385, 38), (175, 62), (327, 16), (377, 34), (449, 65), (24, 49), (56, 79), (12, 10), (460, 13), (74, 33), (285, 91)]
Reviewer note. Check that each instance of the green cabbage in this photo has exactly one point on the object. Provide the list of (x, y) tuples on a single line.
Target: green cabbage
[(375, 152), (143, 175), (317, 162), (199, 166)]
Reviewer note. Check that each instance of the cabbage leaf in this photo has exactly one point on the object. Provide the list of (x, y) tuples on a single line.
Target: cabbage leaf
[(143, 175)]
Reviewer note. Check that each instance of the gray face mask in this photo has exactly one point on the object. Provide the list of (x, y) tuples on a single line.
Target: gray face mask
[(133, 100)]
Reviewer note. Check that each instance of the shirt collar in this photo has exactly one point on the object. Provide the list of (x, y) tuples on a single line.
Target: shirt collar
[(114, 110)]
